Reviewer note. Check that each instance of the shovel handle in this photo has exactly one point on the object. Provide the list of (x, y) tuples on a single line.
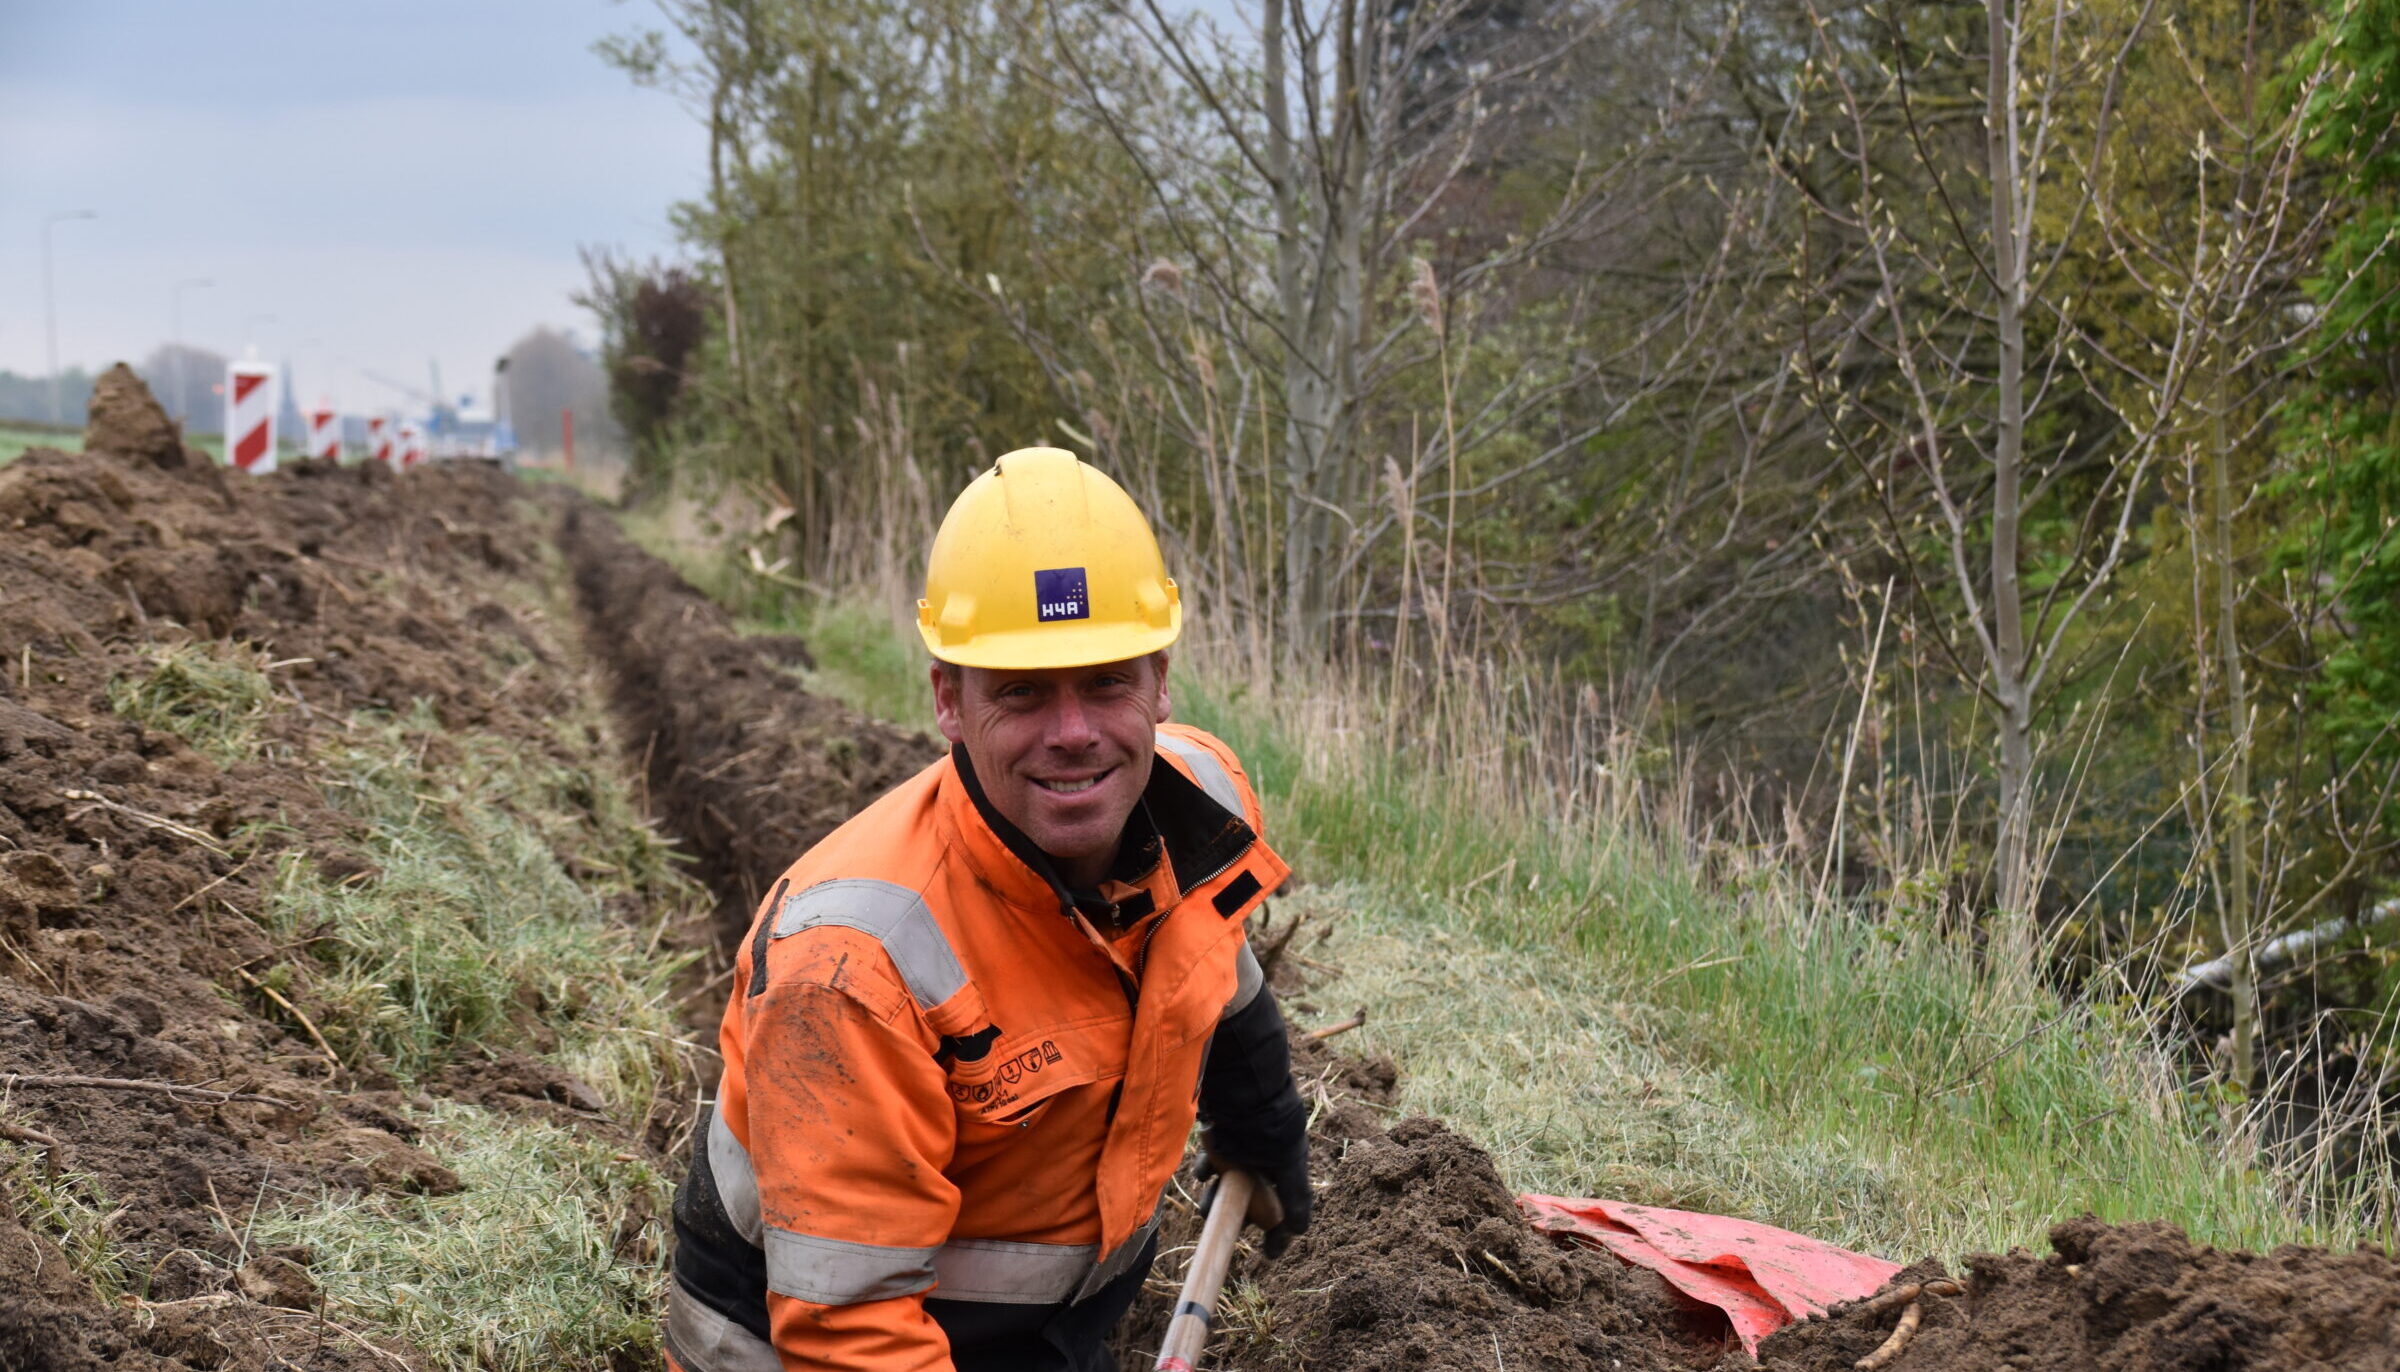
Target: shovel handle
[(1187, 1333)]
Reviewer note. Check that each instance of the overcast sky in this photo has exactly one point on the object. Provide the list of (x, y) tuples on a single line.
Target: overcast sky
[(390, 182)]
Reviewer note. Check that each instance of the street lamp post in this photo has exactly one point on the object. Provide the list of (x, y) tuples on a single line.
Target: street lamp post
[(50, 303), (175, 333)]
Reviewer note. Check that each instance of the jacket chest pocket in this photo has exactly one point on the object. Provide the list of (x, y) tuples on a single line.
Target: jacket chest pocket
[(998, 1126), (1013, 1085)]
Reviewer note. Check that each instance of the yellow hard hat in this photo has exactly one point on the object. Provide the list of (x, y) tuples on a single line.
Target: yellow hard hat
[(1045, 562)]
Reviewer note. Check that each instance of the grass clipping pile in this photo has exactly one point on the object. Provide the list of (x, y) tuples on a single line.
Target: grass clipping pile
[(298, 972)]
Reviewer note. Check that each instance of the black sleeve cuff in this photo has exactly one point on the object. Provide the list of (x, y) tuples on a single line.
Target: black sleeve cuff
[(1247, 1096)]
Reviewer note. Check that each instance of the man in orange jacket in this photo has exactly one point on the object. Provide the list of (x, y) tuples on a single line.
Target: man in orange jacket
[(971, 1030)]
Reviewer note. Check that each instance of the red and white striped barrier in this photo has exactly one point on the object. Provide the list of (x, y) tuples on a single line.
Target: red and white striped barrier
[(379, 438), (250, 416), (412, 445), (325, 433)]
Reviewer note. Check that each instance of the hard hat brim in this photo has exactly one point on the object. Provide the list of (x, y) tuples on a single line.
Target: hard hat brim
[(1055, 645)]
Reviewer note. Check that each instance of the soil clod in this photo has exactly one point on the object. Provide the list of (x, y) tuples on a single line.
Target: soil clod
[(2128, 1298), (126, 419), (1419, 1258)]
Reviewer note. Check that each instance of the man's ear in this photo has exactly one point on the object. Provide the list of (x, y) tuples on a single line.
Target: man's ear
[(1166, 704), (948, 684)]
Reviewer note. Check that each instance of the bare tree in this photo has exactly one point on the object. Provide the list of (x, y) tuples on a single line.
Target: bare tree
[(1298, 173), (1942, 303), (1963, 363), (2209, 249), (550, 377)]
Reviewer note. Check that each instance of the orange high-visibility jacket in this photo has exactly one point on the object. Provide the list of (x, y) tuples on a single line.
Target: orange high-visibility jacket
[(940, 1079)]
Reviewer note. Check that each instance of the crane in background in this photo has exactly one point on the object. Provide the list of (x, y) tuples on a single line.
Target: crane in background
[(438, 413), (456, 427)]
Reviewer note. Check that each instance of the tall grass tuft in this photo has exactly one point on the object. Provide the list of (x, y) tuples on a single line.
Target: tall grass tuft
[(72, 1210), (214, 694), (1845, 1067), (522, 1270), (476, 931)]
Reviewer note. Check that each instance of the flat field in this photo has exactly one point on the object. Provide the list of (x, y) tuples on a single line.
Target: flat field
[(16, 438)]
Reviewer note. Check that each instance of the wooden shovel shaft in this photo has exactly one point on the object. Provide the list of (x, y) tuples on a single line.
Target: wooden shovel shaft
[(1187, 1333), (1204, 1281)]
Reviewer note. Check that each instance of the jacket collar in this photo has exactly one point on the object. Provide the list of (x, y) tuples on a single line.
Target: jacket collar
[(1196, 836)]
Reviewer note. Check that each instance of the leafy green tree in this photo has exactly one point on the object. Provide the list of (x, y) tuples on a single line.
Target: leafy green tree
[(2344, 422)]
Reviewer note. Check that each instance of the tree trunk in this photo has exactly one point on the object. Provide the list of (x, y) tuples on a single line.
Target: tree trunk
[(2234, 902), (2014, 945), (1300, 518), (1321, 226)]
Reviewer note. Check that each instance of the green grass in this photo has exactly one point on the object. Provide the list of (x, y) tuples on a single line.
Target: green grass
[(214, 694), (497, 919), (1610, 1023), (862, 658), (519, 902), (862, 661), (15, 438), (69, 1208), (516, 900), (476, 932), (519, 1271)]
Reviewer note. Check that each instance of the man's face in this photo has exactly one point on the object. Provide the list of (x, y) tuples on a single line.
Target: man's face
[(1063, 752)]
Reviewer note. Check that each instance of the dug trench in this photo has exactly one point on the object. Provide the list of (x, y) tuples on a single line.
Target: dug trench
[(238, 713)]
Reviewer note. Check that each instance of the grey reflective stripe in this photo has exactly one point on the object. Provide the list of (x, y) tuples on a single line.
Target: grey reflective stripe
[(1214, 779), (737, 1180), (1248, 977), (1116, 1264), (701, 1340), (839, 1272), (1006, 1273), (898, 918)]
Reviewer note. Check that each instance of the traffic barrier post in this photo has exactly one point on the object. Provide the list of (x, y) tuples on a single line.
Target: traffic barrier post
[(250, 416), (325, 433)]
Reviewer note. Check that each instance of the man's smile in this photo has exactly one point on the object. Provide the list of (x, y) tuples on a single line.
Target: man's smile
[(1065, 786)]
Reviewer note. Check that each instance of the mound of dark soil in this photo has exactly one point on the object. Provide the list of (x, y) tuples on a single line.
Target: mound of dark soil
[(743, 765), (128, 421), (1420, 1259), (131, 866), (2130, 1298)]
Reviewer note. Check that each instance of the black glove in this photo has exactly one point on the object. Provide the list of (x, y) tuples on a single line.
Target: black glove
[(1255, 1119), (1283, 1221)]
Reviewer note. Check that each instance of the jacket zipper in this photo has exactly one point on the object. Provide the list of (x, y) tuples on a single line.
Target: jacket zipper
[(1141, 955), (1220, 869), (1131, 984)]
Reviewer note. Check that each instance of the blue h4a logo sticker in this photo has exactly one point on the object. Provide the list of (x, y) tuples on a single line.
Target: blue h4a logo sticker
[(1060, 593)]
